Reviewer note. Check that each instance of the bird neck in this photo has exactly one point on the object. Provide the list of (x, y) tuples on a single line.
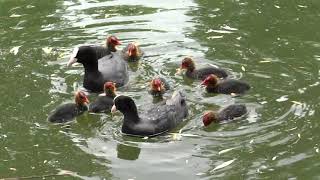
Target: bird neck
[(111, 47), (91, 67)]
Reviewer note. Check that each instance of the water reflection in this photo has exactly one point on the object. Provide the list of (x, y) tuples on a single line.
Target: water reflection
[(127, 152)]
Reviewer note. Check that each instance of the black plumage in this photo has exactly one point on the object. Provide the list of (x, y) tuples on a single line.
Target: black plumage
[(228, 113), (228, 86), (201, 73), (158, 119), (66, 112), (98, 71)]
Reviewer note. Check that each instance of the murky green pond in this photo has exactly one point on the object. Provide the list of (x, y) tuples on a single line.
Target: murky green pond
[(274, 45)]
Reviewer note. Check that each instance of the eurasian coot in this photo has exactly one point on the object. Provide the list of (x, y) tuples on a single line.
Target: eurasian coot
[(201, 73), (67, 112), (132, 52), (98, 71), (104, 103), (158, 119), (228, 86), (158, 86), (228, 113)]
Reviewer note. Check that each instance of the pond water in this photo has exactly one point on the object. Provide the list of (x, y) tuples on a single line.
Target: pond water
[(274, 45)]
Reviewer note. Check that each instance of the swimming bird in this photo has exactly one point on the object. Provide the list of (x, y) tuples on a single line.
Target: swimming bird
[(214, 85), (227, 113), (67, 112), (99, 71), (201, 73), (158, 119)]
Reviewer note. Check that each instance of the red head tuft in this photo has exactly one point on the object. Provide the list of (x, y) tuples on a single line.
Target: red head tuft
[(210, 80), (113, 41), (132, 50), (187, 63), (156, 84), (208, 117), (81, 98), (109, 88)]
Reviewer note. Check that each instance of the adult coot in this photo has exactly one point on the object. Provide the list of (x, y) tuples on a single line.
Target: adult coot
[(104, 103), (132, 52), (98, 71), (228, 113), (158, 119), (69, 111), (201, 73), (228, 86)]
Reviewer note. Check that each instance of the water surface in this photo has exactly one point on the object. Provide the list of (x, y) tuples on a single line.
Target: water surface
[(273, 45)]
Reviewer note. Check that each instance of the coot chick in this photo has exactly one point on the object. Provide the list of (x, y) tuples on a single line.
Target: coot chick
[(132, 52), (202, 73), (99, 71), (228, 86), (67, 112), (104, 103), (228, 113), (158, 86), (159, 119)]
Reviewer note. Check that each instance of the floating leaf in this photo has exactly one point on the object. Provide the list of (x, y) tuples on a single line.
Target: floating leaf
[(15, 50), (227, 163)]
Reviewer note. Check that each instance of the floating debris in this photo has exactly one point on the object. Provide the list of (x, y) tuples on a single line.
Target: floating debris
[(47, 50), (15, 50), (282, 98), (225, 150), (296, 102), (265, 61), (227, 163), (243, 69)]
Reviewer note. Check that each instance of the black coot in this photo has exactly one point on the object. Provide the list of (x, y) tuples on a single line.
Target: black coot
[(132, 52), (104, 103), (158, 119), (228, 86), (67, 112), (158, 86), (201, 73), (98, 71), (228, 113)]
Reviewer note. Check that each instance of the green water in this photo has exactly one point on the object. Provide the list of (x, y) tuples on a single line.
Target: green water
[(274, 45)]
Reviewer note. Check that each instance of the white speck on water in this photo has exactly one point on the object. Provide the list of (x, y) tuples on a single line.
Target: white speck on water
[(277, 6), (243, 69), (317, 150), (263, 102), (299, 136), (146, 137), (282, 98), (15, 50), (227, 163), (47, 50), (251, 141), (274, 158), (225, 150), (187, 161), (27, 95)]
